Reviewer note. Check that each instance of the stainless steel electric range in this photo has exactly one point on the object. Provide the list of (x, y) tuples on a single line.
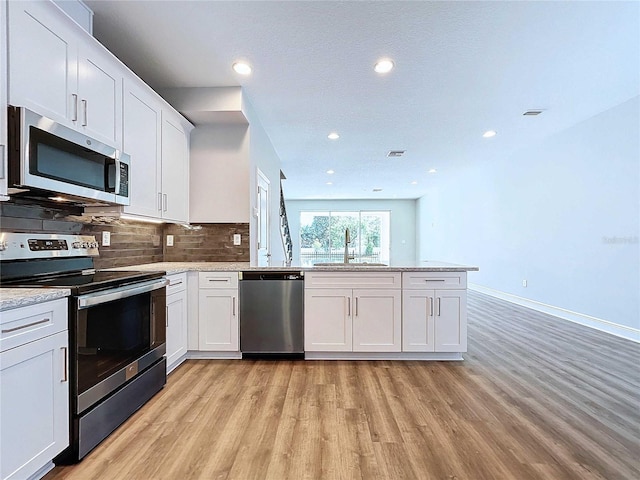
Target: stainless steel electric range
[(117, 329)]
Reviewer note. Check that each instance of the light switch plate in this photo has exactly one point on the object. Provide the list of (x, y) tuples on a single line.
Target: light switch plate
[(169, 240), (237, 239), (106, 239)]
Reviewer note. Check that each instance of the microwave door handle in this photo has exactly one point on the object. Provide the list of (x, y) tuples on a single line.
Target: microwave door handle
[(110, 165), (117, 174), (93, 299)]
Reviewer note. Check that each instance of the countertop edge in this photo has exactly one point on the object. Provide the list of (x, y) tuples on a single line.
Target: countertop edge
[(172, 268), (11, 298)]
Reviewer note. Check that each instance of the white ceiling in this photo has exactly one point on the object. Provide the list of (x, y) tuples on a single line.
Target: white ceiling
[(461, 68)]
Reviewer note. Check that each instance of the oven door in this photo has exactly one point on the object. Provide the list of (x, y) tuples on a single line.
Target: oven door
[(117, 333)]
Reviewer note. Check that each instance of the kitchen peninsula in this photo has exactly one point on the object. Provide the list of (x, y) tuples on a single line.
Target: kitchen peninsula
[(352, 311)]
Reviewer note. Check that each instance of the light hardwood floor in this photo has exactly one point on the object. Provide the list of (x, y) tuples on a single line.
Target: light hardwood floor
[(535, 398)]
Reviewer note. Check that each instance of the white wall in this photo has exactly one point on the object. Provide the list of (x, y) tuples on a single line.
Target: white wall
[(562, 214), (403, 225), (264, 157), (219, 178)]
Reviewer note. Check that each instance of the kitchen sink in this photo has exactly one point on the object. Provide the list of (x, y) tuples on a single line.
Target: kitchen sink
[(353, 264)]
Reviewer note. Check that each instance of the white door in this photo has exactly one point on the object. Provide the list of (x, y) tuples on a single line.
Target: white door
[(327, 320), (262, 202), (218, 320), (451, 321), (377, 320)]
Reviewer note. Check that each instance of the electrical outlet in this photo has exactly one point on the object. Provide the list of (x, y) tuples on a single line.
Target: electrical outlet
[(524, 283), (106, 239), (237, 239), (169, 240)]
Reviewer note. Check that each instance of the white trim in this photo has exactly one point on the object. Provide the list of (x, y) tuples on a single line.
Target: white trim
[(196, 355), (616, 329), (383, 356), (42, 471)]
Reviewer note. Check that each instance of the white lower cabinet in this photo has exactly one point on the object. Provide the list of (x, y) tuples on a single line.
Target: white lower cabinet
[(218, 317), (34, 388), (434, 320), (176, 320), (358, 319)]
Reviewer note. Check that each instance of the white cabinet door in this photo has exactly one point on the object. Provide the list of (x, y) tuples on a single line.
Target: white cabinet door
[(450, 319), (418, 326), (42, 60), (34, 411), (327, 320), (141, 140), (3, 100), (434, 321), (218, 324), (377, 319), (175, 170), (99, 94), (176, 328)]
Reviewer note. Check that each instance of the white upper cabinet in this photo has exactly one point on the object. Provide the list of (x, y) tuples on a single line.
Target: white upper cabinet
[(99, 94), (141, 140), (58, 70), (175, 168)]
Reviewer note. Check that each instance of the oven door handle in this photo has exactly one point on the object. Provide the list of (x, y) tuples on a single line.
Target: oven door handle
[(93, 299)]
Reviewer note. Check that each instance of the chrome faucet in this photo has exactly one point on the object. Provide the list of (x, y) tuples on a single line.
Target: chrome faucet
[(347, 241)]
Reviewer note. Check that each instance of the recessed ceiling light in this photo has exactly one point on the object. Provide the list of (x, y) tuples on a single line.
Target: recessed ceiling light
[(432, 170), (330, 172), (414, 183), (329, 183), (489, 134), (333, 136), (242, 68), (383, 66)]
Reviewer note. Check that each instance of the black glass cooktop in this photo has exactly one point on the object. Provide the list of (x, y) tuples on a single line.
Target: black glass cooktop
[(83, 283)]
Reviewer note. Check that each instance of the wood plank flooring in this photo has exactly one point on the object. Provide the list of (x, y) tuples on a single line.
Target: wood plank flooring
[(535, 398)]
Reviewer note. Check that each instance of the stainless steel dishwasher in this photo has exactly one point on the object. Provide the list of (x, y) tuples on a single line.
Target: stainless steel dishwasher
[(272, 314)]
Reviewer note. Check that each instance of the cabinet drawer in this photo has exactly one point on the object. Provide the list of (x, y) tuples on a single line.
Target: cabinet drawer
[(434, 280), (177, 283), (353, 279), (218, 279), (26, 324)]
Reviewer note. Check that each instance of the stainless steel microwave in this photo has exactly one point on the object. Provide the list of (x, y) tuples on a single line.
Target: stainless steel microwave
[(46, 157)]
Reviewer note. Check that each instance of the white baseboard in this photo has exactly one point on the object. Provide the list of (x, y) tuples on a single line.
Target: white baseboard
[(196, 355), (448, 356), (623, 331)]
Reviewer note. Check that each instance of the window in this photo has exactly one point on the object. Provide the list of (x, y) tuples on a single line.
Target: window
[(322, 237)]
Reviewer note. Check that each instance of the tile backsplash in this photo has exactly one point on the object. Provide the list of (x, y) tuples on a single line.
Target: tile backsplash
[(132, 242)]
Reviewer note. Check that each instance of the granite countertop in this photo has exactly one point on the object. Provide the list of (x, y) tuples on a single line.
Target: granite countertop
[(181, 267), (23, 297)]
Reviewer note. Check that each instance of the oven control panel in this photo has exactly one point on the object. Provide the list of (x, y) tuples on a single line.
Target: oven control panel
[(18, 246)]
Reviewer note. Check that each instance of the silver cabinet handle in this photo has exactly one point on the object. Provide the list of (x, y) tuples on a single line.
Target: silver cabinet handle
[(430, 306), (159, 201), (176, 283), (74, 117), (434, 280), (438, 307), (356, 306), (348, 306), (64, 364), (164, 202), (234, 306), (9, 330), (84, 108)]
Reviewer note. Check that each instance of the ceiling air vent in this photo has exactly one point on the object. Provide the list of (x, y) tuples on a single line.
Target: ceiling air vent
[(532, 113), (395, 153)]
